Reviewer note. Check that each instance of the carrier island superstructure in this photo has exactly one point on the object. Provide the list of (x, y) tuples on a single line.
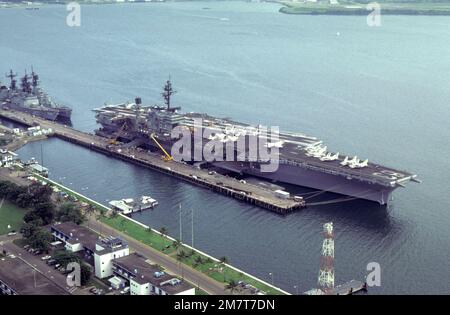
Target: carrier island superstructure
[(302, 160)]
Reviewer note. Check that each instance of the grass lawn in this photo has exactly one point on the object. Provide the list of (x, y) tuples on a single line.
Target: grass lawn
[(80, 197), (10, 215), (139, 233), (164, 245)]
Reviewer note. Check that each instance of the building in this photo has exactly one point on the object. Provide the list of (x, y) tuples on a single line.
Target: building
[(106, 250), (18, 278), (75, 237), (147, 279), (7, 158)]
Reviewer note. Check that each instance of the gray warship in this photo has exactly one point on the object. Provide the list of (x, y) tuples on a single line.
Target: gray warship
[(30, 98), (303, 160)]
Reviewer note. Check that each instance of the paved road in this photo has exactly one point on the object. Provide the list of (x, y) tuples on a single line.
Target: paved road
[(197, 278)]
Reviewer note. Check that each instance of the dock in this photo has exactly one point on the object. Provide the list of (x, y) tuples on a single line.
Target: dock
[(349, 288), (225, 185)]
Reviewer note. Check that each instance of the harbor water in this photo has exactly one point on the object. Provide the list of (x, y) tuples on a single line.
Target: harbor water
[(378, 92)]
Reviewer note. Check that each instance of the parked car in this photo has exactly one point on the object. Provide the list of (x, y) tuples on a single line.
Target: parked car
[(38, 252), (26, 246), (125, 290), (51, 262), (12, 233), (57, 266), (46, 257)]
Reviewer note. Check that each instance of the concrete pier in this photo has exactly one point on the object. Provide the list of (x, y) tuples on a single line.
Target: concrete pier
[(225, 185)]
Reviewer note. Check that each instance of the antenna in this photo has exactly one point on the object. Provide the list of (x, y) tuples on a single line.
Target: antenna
[(192, 226), (326, 273), (168, 92), (11, 77), (34, 77), (181, 232)]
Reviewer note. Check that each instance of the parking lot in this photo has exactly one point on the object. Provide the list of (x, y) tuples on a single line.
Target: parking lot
[(40, 265), (47, 267)]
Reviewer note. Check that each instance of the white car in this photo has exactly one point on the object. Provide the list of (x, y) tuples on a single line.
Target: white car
[(46, 257), (12, 233)]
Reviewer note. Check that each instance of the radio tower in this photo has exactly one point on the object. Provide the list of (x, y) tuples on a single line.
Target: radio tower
[(326, 273)]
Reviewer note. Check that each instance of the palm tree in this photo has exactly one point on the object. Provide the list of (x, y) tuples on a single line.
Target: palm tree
[(223, 260), (232, 285), (177, 244), (180, 255), (198, 260), (163, 231)]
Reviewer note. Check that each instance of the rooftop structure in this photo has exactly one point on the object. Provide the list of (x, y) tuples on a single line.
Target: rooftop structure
[(75, 237), (148, 279)]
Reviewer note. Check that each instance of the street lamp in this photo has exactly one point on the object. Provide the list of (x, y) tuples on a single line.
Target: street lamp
[(296, 289)]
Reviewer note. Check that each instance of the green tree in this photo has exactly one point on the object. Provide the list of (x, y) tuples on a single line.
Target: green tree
[(163, 231), (31, 216), (232, 286), (64, 257), (31, 227), (46, 211), (198, 260), (86, 273), (40, 239), (70, 212), (40, 193), (223, 260), (176, 244)]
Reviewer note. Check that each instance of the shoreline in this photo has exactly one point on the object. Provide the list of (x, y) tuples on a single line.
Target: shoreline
[(259, 283), (360, 9)]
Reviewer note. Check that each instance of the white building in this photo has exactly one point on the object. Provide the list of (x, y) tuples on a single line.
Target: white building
[(106, 251), (75, 237), (147, 279)]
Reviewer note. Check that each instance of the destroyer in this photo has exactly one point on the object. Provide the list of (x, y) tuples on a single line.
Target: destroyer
[(302, 160), (30, 98)]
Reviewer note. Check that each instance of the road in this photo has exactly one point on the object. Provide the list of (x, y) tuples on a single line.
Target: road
[(195, 277)]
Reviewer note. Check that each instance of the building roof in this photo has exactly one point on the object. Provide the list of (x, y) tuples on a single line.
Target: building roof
[(77, 234), (143, 272), (21, 278), (110, 244)]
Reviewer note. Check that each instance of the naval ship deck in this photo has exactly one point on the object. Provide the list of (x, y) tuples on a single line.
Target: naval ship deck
[(293, 150)]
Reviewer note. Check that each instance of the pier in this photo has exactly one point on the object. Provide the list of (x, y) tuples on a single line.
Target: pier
[(228, 186)]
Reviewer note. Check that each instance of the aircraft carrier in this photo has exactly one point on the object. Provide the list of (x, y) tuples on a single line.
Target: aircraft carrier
[(30, 98), (302, 160)]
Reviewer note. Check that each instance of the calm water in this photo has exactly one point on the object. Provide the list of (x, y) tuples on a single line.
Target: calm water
[(380, 93)]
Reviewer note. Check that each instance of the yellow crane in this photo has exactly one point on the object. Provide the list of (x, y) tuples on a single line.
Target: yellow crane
[(114, 140), (168, 157)]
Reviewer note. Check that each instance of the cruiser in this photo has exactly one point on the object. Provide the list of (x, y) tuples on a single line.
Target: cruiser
[(303, 160), (30, 98)]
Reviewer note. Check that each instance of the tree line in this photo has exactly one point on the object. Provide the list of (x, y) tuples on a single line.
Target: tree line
[(43, 211)]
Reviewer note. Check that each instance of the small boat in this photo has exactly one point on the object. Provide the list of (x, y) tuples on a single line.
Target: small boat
[(129, 205)]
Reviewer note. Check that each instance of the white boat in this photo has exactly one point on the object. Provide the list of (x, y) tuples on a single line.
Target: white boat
[(129, 205)]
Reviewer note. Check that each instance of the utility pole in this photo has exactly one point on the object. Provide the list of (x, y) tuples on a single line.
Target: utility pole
[(181, 231), (192, 227)]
